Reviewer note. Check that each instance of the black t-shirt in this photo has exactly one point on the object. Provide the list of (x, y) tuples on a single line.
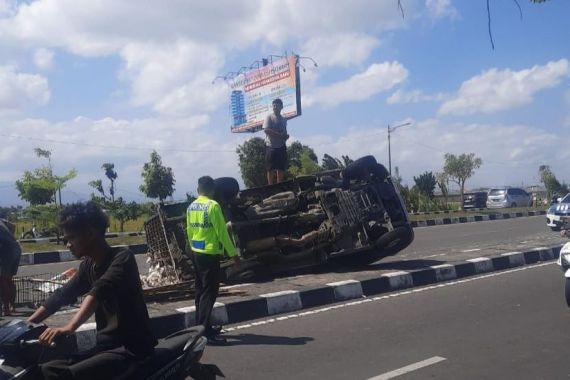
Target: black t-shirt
[(121, 315)]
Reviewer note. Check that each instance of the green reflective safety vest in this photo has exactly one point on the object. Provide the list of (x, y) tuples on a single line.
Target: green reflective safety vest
[(206, 228)]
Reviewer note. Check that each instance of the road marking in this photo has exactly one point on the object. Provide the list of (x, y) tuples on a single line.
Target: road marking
[(471, 250), (408, 368), (439, 254), (384, 297)]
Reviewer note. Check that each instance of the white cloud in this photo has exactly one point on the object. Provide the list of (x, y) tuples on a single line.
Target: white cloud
[(441, 9), (414, 96), (511, 154), (377, 78), (85, 144), (344, 49), (498, 90), (103, 27), (7, 8), (18, 90), (174, 78), (43, 59), (567, 102), (173, 50)]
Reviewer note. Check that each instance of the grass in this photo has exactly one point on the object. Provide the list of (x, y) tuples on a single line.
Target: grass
[(46, 246), (130, 226)]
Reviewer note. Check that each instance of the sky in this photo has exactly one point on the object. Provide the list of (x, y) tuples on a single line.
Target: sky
[(110, 81)]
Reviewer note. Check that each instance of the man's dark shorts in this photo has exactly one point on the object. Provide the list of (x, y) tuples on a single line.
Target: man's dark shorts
[(276, 158)]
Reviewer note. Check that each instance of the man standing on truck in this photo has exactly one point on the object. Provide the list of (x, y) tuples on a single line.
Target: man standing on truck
[(275, 128), (208, 238)]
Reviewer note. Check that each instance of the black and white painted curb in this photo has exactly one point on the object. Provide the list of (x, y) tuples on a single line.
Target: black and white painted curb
[(64, 255), (475, 218), (287, 301)]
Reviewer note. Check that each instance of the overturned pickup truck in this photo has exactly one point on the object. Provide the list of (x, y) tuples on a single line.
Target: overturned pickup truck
[(355, 215)]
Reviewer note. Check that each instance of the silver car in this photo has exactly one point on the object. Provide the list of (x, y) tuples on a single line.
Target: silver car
[(508, 197)]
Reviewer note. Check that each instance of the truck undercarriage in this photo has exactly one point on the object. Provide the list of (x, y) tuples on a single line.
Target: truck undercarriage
[(355, 213)]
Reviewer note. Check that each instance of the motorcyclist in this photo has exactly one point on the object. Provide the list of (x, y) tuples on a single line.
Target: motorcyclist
[(109, 280)]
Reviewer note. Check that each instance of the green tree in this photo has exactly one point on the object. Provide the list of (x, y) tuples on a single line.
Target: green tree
[(35, 188), (425, 184), (40, 185), (305, 165), (124, 211), (118, 208), (332, 163), (443, 184), (551, 183), (158, 180), (460, 168), (111, 174), (397, 178), (251, 155), (97, 184), (302, 160)]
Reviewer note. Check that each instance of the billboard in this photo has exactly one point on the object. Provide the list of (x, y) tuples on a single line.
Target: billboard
[(253, 91)]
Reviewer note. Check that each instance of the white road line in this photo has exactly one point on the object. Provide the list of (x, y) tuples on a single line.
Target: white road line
[(408, 368), (471, 250), (385, 297), (439, 254)]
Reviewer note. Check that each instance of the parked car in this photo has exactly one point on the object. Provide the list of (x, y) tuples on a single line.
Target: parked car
[(477, 199), (353, 216), (558, 209), (508, 197)]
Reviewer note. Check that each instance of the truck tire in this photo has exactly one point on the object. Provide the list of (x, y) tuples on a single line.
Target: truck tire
[(225, 189), (394, 241), (358, 169), (388, 244)]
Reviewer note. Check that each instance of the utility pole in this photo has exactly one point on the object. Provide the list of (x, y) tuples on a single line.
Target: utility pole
[(390, 130)]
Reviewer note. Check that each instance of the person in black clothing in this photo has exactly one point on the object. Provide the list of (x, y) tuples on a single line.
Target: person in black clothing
[(10, 253), (110, 281)]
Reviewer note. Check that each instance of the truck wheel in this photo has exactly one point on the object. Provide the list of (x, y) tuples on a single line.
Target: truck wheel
[(556, 228), (389, 244), (394, 241), (225, 189), (358, 169)]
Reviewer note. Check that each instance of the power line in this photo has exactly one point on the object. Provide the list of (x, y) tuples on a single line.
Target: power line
[(114, 147)]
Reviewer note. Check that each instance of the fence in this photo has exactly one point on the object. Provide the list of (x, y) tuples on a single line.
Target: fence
[(33, 290)]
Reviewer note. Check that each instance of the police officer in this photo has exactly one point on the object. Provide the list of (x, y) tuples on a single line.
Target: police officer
[(208, 238)]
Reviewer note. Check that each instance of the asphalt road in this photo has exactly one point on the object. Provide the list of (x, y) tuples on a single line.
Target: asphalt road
[(449, 242), (506, 325)]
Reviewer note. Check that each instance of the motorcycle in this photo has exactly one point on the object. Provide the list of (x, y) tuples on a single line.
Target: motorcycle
[(175, 357), (564, 259)]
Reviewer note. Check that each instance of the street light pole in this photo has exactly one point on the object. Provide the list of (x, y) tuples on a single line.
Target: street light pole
[(390, 130)]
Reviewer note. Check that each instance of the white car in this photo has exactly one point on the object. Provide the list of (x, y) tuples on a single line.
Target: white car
[(508, 197), (557, 210)]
